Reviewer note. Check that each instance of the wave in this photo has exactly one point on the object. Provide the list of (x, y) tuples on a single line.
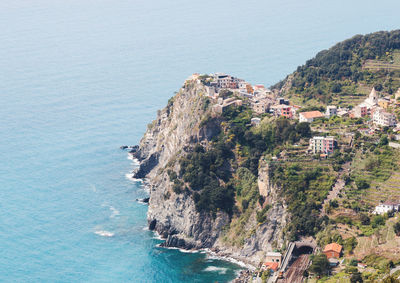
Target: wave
[(220, 270), (213, 256), (130, 177), (104, 233), (115, 212), (135, 161), (93, 187), (157, 236)]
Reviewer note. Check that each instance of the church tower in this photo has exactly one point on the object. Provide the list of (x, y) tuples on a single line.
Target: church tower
[(373, 97)]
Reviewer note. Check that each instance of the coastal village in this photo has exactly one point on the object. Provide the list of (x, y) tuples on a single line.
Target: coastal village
[(375, 114)]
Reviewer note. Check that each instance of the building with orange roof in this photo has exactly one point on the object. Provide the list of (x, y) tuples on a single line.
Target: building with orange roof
[(271, 265), (310, 116), (333, 250)]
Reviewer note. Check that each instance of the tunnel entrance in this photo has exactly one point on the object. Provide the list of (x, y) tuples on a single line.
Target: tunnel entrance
[(304, 249)]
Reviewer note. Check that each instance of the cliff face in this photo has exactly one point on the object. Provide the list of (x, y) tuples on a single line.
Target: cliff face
[(176, 128), (264, 237)]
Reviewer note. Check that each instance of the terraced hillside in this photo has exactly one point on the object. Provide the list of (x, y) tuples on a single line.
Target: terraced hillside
[(342, 74)]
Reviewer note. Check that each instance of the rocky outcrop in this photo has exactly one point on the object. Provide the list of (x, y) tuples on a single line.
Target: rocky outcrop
[(176, 127), (266, 187), (267, 236), (185, 121)]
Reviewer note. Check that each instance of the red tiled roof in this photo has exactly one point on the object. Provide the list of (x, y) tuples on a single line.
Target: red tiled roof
[(272, 265), (333, 247), (312, 114)]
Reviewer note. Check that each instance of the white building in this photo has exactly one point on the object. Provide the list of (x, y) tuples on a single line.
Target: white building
[(210, 91), (223, 80), (331, 110), (365, 108), (243, 85), (383, 118), (310, 116), (323, 145), (386, 207), (372, 100)]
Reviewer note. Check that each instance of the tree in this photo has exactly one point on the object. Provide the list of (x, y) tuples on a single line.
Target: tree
[(224, 93), (362, 184), (350, 244), (378, 87), (336, 88), (377, 220), (384, 140), (397, 228), (365, 220), (356, 278), (265, 275), (304, 129), (334, 203), (320, 264)]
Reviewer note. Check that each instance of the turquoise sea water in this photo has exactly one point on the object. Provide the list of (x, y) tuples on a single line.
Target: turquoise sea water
[(80, 78)]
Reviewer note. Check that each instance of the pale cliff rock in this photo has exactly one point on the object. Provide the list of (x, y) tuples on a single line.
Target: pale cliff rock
[(177, 127), (269, 235)]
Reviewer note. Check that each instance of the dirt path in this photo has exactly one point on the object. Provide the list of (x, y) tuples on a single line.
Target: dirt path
[(336, 189)]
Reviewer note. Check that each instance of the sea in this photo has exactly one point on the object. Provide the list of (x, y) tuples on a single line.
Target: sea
[(80, 78)]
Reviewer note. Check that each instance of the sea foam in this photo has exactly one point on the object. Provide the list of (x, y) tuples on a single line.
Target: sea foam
[(220, 270), (104, 233), (114, 212)]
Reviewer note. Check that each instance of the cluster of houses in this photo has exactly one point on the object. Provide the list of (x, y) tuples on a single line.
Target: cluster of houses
[(376, 108), (263, 100), (260, 97)]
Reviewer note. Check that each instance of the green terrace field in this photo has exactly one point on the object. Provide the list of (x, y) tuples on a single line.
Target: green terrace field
[(383, 242), (390, 63), (350, 95), (346, 72), (380, 172)]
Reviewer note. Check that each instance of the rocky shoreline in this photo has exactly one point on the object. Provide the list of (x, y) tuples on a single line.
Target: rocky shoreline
[(171, 242)]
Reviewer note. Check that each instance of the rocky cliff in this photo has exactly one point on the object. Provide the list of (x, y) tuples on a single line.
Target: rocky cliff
[(187, 120)]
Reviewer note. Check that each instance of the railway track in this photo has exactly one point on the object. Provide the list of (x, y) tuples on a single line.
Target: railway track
[(295, 272)]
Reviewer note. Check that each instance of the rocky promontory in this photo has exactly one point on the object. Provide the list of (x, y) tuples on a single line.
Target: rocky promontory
[(189, 120)]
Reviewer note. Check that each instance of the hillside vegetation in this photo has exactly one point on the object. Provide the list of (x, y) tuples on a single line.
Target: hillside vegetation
[(347, 71)]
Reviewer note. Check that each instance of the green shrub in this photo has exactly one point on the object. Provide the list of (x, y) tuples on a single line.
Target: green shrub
[(364, 218), (362, 184), (377, 220), (262, 215), (320, 264)]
